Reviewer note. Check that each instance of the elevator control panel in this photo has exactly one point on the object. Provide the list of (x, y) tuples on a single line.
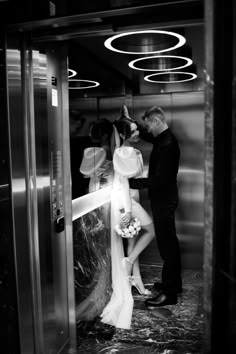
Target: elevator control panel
[(57, 192)]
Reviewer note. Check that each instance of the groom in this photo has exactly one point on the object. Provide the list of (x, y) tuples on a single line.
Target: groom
[(163, 194)]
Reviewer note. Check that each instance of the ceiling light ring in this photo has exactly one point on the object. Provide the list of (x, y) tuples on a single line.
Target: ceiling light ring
[(96, 84), (187, 60), (180, 43), (193, 76), (73, 73)]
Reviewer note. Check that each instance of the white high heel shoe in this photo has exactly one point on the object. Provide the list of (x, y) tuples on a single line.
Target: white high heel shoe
[(146, 292)]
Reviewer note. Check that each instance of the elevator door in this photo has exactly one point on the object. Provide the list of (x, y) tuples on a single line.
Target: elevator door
[(41, 196)]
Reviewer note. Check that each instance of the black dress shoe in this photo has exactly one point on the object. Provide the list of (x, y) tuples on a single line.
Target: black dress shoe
[(161, 299), (158, 286)]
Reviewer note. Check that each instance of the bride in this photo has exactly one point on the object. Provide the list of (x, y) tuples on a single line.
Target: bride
[(125, 205)]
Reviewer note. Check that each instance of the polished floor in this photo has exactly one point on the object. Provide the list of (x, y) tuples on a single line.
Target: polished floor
[(173, 329)]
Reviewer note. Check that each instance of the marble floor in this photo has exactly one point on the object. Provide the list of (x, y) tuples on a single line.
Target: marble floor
[(173, 329)]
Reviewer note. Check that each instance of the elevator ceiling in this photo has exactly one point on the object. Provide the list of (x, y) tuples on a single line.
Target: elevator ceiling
[(85, 35), (93, 61)]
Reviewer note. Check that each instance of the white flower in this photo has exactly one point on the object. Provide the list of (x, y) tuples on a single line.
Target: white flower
[(130, 230)]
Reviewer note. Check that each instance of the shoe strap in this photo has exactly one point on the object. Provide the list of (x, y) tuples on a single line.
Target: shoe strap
[(128, 260)]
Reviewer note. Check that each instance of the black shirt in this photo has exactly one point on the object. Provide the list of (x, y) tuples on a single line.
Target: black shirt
[(163, 167)]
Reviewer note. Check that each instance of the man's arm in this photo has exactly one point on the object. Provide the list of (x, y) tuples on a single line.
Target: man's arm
[(139, 183), (164, 172)]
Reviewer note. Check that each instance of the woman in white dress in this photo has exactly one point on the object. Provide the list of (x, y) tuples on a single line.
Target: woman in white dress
[(127, 163), (122, 158)]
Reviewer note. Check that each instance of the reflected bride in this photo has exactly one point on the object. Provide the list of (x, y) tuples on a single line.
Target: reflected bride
[(96, 163)]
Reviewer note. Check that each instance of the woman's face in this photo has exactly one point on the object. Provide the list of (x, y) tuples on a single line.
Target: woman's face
[(134, 138)]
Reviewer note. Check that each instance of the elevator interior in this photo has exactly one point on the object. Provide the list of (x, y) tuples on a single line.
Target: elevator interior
[(41, 163), (182, 102)]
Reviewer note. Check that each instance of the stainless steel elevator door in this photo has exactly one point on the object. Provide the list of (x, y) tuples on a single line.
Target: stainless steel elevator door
[(48, 68), (41, 198), (188, 125)]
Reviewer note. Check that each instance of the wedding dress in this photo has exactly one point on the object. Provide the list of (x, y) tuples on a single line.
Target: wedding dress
[(127, 163)]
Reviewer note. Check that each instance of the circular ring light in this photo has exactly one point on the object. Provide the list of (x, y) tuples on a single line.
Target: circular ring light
[(73, 73), (91, 82), (192, 77), (181, 41), (188, 62)]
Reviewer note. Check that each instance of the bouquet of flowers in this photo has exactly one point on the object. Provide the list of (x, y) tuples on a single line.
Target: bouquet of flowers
[(130, 230)]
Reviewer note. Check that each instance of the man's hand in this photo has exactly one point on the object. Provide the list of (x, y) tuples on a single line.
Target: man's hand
[(99, 171), (103, 171)]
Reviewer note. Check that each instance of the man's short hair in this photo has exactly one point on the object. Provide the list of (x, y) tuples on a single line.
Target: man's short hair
[(156, 110)]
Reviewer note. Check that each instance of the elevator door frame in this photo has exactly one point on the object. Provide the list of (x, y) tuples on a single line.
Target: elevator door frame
[(209, 243)]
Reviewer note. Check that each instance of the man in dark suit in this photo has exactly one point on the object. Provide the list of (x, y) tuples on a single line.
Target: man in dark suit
[(163, 194)]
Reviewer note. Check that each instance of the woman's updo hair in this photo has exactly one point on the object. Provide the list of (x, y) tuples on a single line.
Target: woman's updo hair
[(123, 127), (100, 128), (123, 124)]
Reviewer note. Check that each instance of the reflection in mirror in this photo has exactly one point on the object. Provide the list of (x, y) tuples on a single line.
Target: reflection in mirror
[(97, 159), (79, 140), (92, 268)]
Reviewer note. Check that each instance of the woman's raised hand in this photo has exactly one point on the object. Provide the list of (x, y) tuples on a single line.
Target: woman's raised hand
[(125, 218)]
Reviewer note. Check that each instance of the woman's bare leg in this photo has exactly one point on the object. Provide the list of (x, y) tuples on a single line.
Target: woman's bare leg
[(135, 269), (137, 280), (142, 242), (130, 247), (135, 247)]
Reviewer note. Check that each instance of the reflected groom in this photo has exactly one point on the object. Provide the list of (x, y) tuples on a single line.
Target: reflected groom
[(163, 194)]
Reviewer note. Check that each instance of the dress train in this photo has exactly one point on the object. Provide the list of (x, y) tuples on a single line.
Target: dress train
[(118, 311)]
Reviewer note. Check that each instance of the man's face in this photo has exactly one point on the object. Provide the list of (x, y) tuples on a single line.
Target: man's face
[(152, 125)]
